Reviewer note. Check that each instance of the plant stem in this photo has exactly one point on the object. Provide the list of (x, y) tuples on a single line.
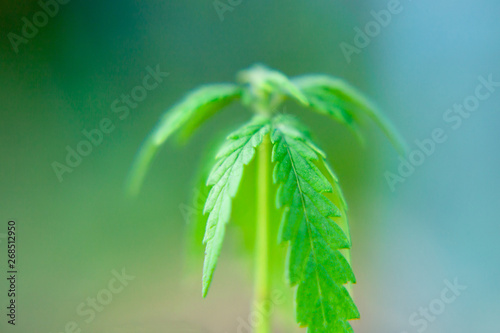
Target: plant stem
[(261, 289)]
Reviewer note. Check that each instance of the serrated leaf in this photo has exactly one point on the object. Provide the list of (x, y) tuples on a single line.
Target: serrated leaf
[(278, 81), (270, 82), (225, 177), (315, 263), (339, 100), (196, 107)]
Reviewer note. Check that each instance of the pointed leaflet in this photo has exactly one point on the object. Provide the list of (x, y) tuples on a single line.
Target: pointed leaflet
[(315, 263), (336, 98), (339, 201), (193, 109), (225, 177), (268, 82)]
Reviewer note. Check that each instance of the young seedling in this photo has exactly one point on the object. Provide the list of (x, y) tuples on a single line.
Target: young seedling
[(313, 225)]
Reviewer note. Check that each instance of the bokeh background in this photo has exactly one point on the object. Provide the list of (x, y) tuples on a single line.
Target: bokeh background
[(441, 224)]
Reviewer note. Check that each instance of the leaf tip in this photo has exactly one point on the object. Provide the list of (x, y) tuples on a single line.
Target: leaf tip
[(207, 281), (204, 292)]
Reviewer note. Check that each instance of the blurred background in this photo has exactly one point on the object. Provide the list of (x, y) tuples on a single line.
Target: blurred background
[(78, 231)]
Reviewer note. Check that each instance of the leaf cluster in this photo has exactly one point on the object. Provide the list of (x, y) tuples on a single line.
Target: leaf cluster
[(313, 225)]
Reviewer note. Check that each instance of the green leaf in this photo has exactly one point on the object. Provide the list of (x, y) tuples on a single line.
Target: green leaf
[(315, 263), (266, 83), (193, 211), (338, 200), (342, 102), (225, 178), (195, 108)]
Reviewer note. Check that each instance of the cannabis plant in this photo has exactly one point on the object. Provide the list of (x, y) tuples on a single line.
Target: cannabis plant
[(314, 222)]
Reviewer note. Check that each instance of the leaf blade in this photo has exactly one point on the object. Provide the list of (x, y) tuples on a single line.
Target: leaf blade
[(266, 81), (315, 262), (199, 104), (341, 101), (225, 178)]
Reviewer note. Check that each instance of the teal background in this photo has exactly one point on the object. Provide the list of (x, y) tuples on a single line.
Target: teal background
[(442, 223)]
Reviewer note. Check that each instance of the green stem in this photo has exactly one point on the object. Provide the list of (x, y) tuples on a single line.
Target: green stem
[(261, 296)]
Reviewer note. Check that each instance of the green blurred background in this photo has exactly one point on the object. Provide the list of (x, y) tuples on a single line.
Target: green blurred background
[(440, 224)]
